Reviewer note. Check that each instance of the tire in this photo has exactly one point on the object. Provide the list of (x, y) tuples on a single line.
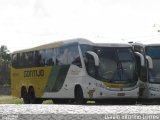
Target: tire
[(32, 97), (99, 102), (25, 96), (103, 101), (38, 101), (79, 99), (60, 101)]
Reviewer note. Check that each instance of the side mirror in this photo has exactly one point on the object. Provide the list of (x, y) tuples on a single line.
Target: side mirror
[(95, 56), (150, 62), (141, 58)]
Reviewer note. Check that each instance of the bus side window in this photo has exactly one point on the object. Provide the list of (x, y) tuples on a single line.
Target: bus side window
[(77, 62), (63, 56), (30, 59), (60, 59), (21, 60), (37, 60), (42, 61), (14, 60), (73, 56), (50, 57), (90, 65), (18, 60)]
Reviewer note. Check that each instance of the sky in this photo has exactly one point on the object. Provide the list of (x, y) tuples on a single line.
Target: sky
[(29, 23)]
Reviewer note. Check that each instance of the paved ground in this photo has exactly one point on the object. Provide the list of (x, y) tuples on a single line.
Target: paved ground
[(78, 112)]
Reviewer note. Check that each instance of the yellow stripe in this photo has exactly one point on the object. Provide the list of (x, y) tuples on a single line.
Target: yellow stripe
[(113, 85)]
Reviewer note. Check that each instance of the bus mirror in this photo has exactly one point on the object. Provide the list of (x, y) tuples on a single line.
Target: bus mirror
[(95, 56), (150, 62), (141, 58)]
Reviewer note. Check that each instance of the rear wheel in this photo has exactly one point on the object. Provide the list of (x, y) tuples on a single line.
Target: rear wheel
[(60, 101), (32, 97), (79, 99), (25, 96)]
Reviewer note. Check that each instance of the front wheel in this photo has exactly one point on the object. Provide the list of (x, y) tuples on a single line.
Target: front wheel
[(79, 99)]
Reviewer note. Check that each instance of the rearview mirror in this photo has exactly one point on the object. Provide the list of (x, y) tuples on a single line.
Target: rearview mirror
[(141, 58), (95, 56), (150, 62)]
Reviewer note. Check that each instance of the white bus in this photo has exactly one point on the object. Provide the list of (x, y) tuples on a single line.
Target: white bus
[(75, 70), (149, 70)]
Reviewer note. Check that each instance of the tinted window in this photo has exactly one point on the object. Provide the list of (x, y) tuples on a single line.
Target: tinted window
[(73, 54), (42, 57), (90, 65), (14, 60), (38, 59), (108, 63), (125, 54), (22, 61), (30, 59), (55, 56), (85, 48), (50, 57), (77, 62), (67, 55), (153, 52), (62, 58)]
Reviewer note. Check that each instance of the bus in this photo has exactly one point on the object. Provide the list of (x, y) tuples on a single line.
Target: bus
[(74, 71), (149, 70)]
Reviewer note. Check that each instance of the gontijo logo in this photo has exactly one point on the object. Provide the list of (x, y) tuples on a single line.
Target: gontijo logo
[(34, 73)]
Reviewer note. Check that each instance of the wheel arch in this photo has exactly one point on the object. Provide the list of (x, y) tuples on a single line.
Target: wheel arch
[(30, 87)]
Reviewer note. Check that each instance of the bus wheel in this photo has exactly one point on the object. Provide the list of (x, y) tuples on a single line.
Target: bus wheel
[(79, 99), (24, 95), (60, 101), (38, 101), (32, 98)]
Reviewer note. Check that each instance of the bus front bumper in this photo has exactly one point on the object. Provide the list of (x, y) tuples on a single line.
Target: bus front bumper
[(105, 94)]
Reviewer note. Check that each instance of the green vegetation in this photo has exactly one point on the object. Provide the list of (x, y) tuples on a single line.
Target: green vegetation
[(10, 100), (47, 102), (14, 100), (5, 62)]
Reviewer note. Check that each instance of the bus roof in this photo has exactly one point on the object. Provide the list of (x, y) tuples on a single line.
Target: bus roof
[(76, 40), (56, 44), (110, 42), (148, 42)]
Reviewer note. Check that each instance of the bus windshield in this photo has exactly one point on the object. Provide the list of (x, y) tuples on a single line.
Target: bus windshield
[(116, 64), (154, 53)]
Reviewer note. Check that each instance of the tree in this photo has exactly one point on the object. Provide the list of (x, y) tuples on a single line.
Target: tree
[(5, 61)]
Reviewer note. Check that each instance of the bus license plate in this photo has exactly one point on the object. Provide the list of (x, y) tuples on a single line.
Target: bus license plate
[(121, 94)]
